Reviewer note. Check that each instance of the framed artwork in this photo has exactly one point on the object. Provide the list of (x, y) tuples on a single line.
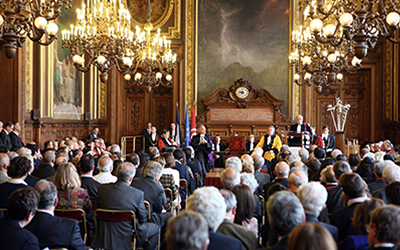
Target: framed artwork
[(242, 39)]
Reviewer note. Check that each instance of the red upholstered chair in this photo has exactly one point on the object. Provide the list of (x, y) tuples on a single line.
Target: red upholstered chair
[(237, 144)]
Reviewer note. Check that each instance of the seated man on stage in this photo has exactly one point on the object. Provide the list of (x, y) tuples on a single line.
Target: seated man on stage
[(202, 145), (251, 144), (299, 127), (165, 142), (270, 143), (328, 140), (219, 157)]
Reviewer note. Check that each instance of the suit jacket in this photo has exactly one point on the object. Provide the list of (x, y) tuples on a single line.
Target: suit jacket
[(248, 145), (93, 136), (380, 193), (296, 141), (283, 181), (6, 189), (334, 201), (247, 237), (155, 195), (149, 142), (329, 144), (16, 142), (31, 180), (196, 167), (379, 184), (5, 139), (354, 242), (91, 186), (183, 174), (262, 179), (332, 229), (342, 219), (383, 248), (281, 245), (121, 196), (221, 242), (65, 235), (43, 171), (14, 237), (203, 148)]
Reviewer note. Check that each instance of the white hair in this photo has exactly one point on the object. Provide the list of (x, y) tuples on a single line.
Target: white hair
[(369, 154), (298, 178), (292, 158), (24, 151), (249, 180), (304, 154), (313, 197), (379, 156), (115, 148), (391, 173), (335, 153), (105, 164), (234, 162), (208, 202)]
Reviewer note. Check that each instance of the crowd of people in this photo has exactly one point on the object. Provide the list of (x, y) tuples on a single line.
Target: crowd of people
[(270, 198)]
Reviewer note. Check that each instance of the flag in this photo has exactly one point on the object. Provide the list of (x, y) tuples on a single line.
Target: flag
[(193, 130), (177, 127), (187, 130)]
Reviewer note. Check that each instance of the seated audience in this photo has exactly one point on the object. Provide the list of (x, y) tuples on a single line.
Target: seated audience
[(335, 201), (354, 160), (86, 165), (230, 177), (53, 232), (234, 162), (208, 202), (121, 196), (310, 236), (390, 173), (245, 208), (328, 178), (46, 168), (313, 197), (195, 165), (153, 153), (228, 228), (70, 193), (282, 173), (168, 181), (17, 171), (188, 230), (362, 216), (366, 170), (392, 192), (105, 166), (380, 181), (183, 172), (296, 179), (384, 228)]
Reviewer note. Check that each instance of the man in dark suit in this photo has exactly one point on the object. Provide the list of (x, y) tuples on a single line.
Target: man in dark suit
[(384, 228), (285, 212), (219, 157), (313, 197), (153, 192), (353, 189), (209, 202), (196, 236), (183, 173), (151, 140), (21, 209), (299, 127), (251, 144), (94, 134), (202, 145), (328, 139), (46, 169), (195, 165), (228, 228), (335, 201), (121, 196), (15, 139), (391, 173), (65, 233), (87, 182), (17, 171), (262, 178), (5, 135), (282, 177), (380, 181)]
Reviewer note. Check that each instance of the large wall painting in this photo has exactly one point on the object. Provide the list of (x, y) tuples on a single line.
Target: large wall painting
[(68, 80), (243, 39)]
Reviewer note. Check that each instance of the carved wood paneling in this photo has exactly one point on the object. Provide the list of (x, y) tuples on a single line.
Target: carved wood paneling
[(135, 109)]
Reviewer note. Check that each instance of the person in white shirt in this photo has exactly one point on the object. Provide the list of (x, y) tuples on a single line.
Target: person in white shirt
[(4, 163), (105, 165)]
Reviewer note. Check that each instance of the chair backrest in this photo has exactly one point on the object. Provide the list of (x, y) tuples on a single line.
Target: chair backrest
[(147, 206), (183, 182), (116, 216), (197, 178), (170, 196), (75, 214), (237, 143)]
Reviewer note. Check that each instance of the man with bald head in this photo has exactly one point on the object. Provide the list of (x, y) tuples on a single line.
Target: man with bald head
[(282, 173), (4, 163), (105, 165), (230, 177), (296, 179)]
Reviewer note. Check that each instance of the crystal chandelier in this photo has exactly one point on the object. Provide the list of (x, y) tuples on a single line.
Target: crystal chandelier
[(101, 37), (320, 64), (151, 60), (34, 19)]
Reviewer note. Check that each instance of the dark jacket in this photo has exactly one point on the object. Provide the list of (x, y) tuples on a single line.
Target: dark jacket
[(91, 186), (65, 233), (5, 139), (222, 242), (43, 171), (14, 237), (16, 142)]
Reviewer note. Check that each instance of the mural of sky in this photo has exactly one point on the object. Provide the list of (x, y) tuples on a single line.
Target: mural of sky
[(243, 39)]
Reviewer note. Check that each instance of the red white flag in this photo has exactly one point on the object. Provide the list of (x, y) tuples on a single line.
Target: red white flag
[(193, 130)]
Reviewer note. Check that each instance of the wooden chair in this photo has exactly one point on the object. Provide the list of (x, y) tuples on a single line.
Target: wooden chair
[(169, 194), (147, 206), (75, 214), (197, 178), (116, 216), (183, 183)]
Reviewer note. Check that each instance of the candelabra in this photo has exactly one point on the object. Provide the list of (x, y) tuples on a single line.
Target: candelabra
[(28, 18)]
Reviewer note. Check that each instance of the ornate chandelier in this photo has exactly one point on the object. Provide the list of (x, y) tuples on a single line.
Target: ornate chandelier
[(101, 37), (34, 19), (320, 64), (152, 58)]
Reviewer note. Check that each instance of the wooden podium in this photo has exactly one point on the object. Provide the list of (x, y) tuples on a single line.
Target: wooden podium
[(339, 140)]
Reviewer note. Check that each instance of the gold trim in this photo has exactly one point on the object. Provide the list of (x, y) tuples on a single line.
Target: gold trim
[(27, 76), (46, 74), (190, 53), (94, 76)]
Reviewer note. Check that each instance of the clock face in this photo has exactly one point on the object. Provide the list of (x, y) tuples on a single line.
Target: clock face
[(242, 92)]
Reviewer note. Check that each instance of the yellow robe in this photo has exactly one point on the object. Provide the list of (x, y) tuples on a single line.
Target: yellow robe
[(276, 144)]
